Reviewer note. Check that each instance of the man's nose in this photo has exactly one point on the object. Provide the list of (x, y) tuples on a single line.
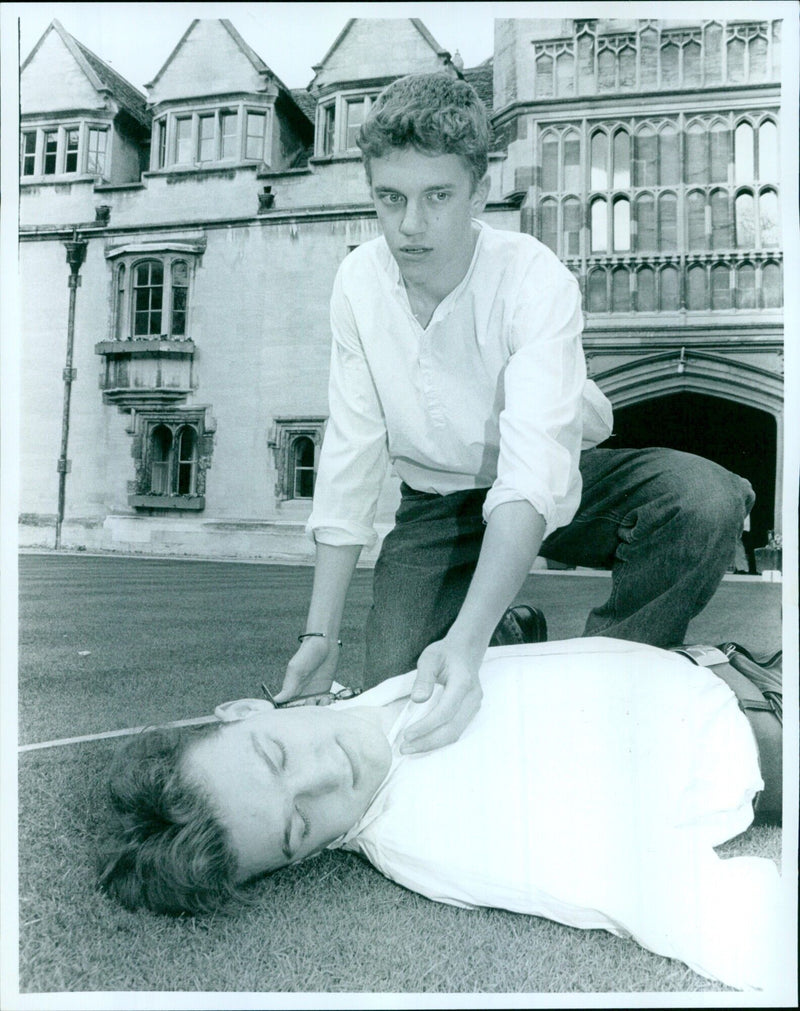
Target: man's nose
[(413, 222)]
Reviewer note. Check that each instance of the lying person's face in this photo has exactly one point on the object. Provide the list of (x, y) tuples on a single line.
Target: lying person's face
[(286, 783)]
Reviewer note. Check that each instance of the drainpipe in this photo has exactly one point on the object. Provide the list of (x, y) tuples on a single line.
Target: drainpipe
[(76, 254)]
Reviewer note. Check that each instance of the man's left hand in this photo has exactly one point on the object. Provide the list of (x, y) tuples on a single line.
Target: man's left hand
[(457, 669)]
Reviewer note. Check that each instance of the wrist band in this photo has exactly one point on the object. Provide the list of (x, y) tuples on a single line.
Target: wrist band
[(318, 635)]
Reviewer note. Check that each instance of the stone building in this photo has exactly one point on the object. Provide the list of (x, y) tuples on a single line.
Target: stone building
[(182, 246)]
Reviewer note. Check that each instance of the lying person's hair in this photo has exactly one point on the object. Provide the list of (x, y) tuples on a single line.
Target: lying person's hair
[(164, 850), (435, 114)]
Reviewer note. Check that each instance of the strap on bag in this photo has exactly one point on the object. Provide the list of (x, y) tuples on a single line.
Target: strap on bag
[(758, 689)]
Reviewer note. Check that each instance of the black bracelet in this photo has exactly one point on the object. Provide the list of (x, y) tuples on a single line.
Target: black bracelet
[(319, 635)]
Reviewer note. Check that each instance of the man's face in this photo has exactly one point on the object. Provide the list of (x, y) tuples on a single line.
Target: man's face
[(425, 206), (286, 783)]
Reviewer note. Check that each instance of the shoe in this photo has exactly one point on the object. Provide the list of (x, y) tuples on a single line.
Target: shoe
[(519, 625)]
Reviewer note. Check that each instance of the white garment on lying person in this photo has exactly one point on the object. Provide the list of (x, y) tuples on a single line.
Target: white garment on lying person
[(589, 789)]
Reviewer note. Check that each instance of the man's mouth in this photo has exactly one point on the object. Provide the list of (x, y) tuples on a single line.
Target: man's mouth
[(415, 250)]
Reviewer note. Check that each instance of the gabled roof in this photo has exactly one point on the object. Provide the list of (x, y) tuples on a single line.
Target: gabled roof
[(420, 27), (258, 64), (101, 76)]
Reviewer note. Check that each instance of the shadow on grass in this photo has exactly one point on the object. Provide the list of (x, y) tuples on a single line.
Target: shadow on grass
[(332, 924)]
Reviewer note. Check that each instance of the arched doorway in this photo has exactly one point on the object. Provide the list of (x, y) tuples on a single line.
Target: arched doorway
[(741, 438)]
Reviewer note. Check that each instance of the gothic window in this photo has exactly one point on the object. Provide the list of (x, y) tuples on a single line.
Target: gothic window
[(745, 221), (745, 286), (152, 293), (565, 74), (669, 165), (599, 160), (668, 222), (646, 232), (771, 293), (646, 290), (736, 48), (721, 222), (696, 220), (645, 164), (720, 152), (692, 67), (622, 225), (548, 216), (627, 67), (606, 70), (768, 221), (768, 170), (572, 220), (620, 290), (572, 162), (295, 443), (172, 451), (599, 218), (669, 282), (597, 297), (550, 162), (720, 287), (669, 65), (696, 298), (622, 160), (744, 154), (544, 76), (696, 159)]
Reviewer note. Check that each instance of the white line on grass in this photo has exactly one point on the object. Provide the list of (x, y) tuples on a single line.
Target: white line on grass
[(127, 732)]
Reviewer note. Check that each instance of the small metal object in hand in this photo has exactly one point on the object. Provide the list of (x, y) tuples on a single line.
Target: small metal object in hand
[(317, 699)]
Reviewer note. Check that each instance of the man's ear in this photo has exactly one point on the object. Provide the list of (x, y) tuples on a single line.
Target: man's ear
[(481, 194), (240, 709)]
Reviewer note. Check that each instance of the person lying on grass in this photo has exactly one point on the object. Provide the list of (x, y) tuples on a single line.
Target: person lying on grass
[(590, 788)]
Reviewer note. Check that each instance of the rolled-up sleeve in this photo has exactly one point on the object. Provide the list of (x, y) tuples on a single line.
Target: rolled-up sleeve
[(354, 457), (541, 424)]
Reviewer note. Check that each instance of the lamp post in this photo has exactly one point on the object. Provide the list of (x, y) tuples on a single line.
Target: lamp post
[(76, 254)]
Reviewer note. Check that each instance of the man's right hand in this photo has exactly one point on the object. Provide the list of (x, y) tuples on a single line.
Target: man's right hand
[(311, 669)]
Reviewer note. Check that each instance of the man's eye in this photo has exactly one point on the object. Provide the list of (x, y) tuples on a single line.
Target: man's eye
[(305, 828), (391, 198), (440, 197)]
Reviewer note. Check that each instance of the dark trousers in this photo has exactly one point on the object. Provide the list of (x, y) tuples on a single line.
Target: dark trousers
[(665, 523)]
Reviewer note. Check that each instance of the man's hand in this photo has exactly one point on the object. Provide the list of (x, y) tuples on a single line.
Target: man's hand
[(455, 667), (311, 669)]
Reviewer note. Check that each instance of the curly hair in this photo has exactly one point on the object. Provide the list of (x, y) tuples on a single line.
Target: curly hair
[(164, 849), (436, 114)]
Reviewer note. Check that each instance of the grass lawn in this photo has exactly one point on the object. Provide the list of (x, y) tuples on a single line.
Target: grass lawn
[(108, 643)]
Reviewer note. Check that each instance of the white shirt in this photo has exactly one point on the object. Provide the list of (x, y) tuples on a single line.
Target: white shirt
[(491, 394), (589, 789)]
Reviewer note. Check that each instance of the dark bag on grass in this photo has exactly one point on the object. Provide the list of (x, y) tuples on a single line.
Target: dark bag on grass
[(758, 686)]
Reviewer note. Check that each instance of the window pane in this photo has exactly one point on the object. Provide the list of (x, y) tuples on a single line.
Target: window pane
[(745, 221), (620, 291), (721, 223), (186, 461), (572, 228), (645, 166), (746, 286), (228, 122), (646, 290), (768, 152), (256, 131), (119, 307), (303, 467), (180, 281), (720, 287), (50, 151), (599, 227), (550, 164), (161, 143), (696, 168), (597, 300), (606, 70), (160, 446), (669, 65), (646, 223), (572, 163), (544, 76), (720, 153), (669, 165), (183, 141), (548, 231), (148, 298), (768, 219), (696, 223), (622, 160), (771, 293), (744, 169), (96, 153), (328, 128), (28, 153), (627, 68), (599, 179), (355, 113), (668, 221), (691, 63), (670, 289), (696, 289), (565, 74), (622, 226), (205, 139), (736, 61), (71, 155)]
